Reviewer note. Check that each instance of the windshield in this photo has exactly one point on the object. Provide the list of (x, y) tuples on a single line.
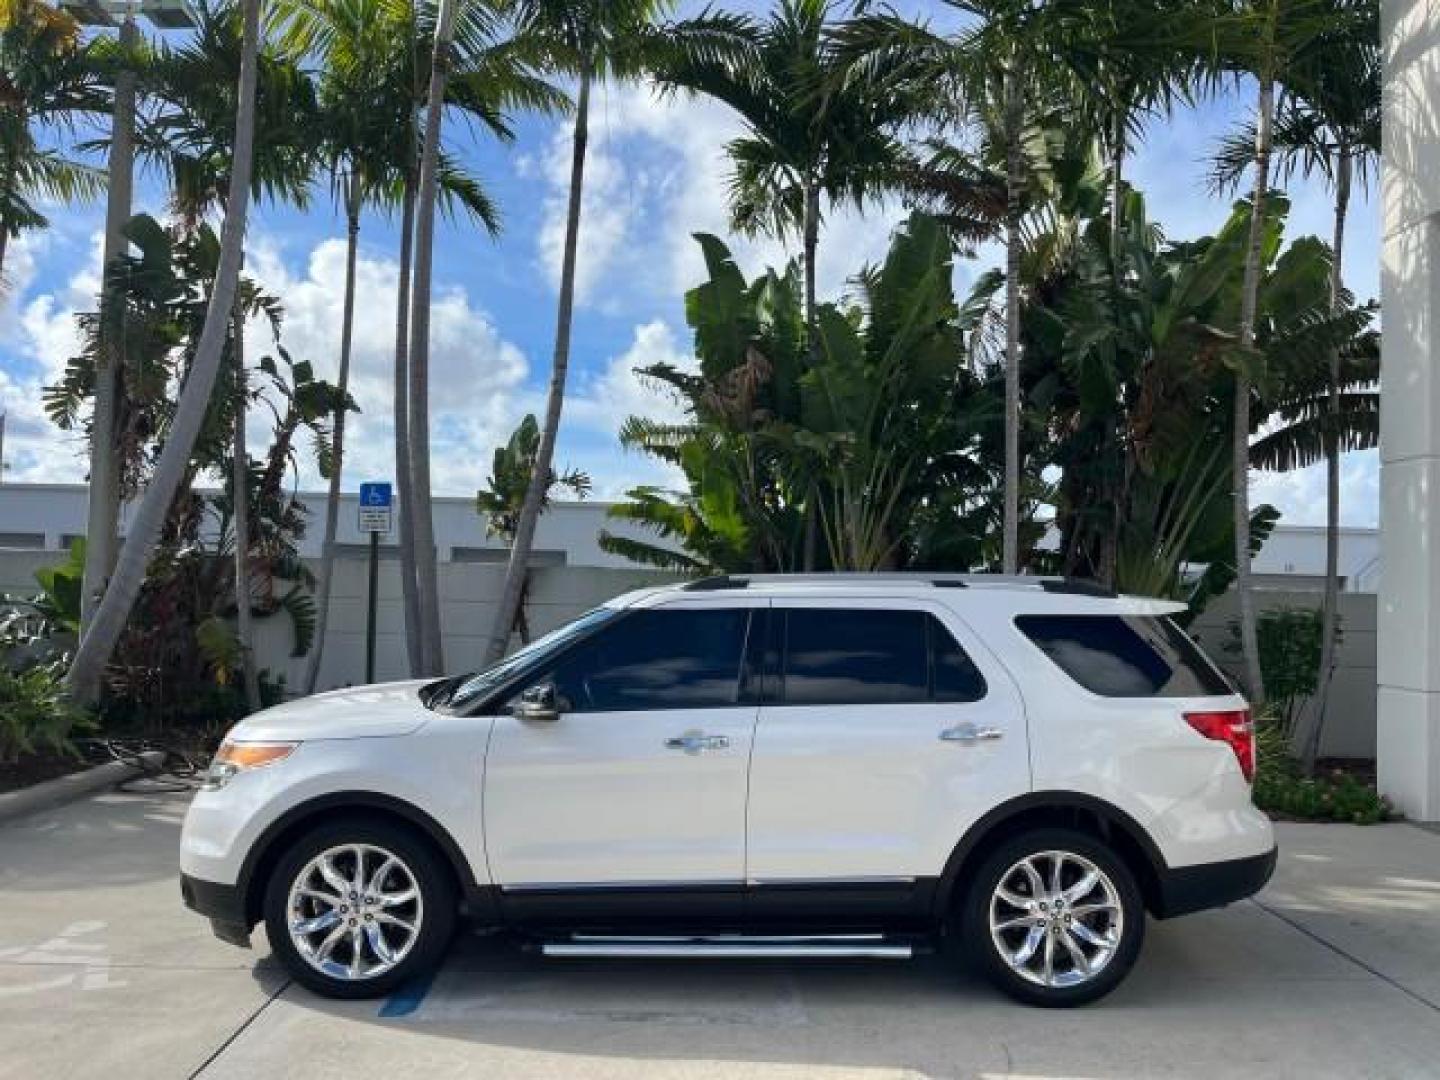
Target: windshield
[(472, 688)]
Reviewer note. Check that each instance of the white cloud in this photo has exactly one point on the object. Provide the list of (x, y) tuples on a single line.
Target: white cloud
[(1300, 494), (40, 330), (15, 279), (657, 172), (608, 396), (602, 401), (475, 374)]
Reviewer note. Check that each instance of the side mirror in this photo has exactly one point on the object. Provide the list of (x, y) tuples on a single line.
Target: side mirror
[(537, 704)]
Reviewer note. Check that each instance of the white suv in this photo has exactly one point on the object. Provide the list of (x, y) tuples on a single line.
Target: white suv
[(827, 765)]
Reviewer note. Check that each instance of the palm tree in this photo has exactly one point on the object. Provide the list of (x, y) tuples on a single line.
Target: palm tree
[(1275, 42), (810, 134), (1125, 72), (1328, 124), (240, 499), (989, 71), (83, 678), (103, 503), (503, 496), (192, 138), (49, 78), (592, 39), (368, 55), (481, 76)]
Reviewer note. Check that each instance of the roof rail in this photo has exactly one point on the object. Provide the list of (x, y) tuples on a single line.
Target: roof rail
[(1074, 586), (717, 581), (1077, 587)]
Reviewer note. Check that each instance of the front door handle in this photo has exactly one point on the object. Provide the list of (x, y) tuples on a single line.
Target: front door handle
[(694, 742), (968, 734)]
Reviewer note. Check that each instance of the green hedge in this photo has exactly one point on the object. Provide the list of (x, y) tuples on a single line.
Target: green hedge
[(1282, 790)]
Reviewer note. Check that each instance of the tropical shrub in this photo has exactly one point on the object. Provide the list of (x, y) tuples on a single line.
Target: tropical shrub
[(1130, 360), (875, 450), (1289, 659), (35, 714), (179, 650), (1283, 791), (43, 628)]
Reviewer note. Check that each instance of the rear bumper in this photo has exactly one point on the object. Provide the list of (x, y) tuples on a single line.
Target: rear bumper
[(223, 905), (1209, 885)]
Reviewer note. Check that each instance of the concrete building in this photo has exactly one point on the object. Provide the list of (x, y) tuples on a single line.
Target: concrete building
[(1409, 610), (48, 516)]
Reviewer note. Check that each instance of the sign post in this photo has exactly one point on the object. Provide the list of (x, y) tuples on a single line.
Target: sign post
[(377, 508)]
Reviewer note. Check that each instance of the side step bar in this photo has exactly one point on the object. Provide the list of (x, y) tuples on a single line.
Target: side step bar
[(728, 946)]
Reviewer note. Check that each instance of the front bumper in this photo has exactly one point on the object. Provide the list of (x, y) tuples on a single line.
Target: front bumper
[(223, 905), (1208, 885)]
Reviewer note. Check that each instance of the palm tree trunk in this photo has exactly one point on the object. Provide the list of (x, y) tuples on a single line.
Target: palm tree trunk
[(515, 574), (1105, 566), (432, 660), (1117, 192), (409, 584), (1010, 556), (1330, 604), (337, 457), (522, 621), (4, 243), (1240, 447), (103, 515), (810, 238), (93, 654), (240, 478)]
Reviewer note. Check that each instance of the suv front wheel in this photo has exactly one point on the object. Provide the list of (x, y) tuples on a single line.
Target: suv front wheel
[(355, 908), (1054, 918)]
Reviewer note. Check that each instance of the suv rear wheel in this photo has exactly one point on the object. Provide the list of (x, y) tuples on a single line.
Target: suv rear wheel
[(354, 909), (1054, 918)]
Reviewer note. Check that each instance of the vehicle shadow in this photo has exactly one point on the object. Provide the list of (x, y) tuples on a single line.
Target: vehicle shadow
[(927, 1017), (1237, 968)]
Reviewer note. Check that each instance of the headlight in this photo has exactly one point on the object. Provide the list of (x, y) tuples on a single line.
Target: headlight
[(233, 757)]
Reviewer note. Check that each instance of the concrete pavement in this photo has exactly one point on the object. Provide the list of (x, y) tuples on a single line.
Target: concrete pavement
[(1334, 972)]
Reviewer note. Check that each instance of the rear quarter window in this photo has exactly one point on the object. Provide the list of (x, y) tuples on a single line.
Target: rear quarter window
[(1125, 656)]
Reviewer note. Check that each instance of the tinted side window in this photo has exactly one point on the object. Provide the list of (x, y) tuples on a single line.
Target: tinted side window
[(657, 660), (861, 657), (955, 674), (838, 657), (1125, 656)]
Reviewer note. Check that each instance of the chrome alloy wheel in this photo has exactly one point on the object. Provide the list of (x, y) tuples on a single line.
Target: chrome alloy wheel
[(1056, 919), (354, 911)]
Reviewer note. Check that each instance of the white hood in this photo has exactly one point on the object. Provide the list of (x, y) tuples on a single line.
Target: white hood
[(356, 713)]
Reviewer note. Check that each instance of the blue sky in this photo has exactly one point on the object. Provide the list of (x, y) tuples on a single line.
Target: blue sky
[(656, 173)]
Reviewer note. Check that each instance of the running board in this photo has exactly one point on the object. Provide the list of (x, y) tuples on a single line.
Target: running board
[(866, 946)]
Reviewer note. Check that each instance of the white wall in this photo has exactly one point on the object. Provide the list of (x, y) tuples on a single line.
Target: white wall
[(1299, 551), (1409, 619), (1350, 720), (468, 597)]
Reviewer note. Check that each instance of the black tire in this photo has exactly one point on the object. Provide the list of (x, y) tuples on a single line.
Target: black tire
[(982, 948), (437, 904)]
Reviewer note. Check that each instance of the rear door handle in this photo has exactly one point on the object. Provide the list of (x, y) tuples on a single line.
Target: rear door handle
[(694, 742), (968, 733)]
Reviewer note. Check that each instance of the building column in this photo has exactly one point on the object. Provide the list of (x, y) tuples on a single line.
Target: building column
[(1408, 736)]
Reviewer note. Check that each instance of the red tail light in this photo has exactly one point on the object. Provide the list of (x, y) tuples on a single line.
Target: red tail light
[(1232, 726)]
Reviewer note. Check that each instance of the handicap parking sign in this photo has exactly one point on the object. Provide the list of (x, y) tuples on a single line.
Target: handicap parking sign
[(376, 503)]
